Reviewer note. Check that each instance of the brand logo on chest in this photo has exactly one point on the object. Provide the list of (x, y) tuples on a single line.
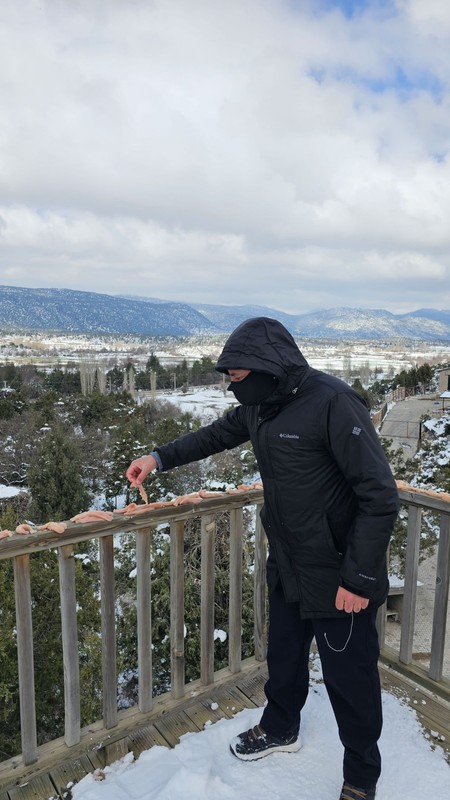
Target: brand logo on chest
[(288, 436)]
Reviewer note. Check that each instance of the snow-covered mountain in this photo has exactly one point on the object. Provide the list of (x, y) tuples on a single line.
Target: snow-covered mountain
[(358, 323), (87, 312)]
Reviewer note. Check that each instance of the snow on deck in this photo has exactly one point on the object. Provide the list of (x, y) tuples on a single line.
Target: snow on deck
[(201, 765)]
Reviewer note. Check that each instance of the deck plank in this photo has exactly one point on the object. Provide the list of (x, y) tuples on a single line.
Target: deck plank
[(96, 761), (145, 738), (203, 714), (39, 788), (233, 701), (69, 773), (433, 711), (174, 725), (253, 688)]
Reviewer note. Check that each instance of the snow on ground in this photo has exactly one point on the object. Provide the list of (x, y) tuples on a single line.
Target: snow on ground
[(205, 402), (9, 491), (201, 765)]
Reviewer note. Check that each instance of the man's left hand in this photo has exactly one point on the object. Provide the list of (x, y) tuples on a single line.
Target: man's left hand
[(347, 601)]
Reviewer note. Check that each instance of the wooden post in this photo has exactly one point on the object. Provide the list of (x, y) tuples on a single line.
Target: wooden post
[(440, 601), (235, 607), (260, 590), (108, 613), (144, 618), (410, 593), (69, 644), (24, 624), (177, 608), (381, 614), (207, 600)]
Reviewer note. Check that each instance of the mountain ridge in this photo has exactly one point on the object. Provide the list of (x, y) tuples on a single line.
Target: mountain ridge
[(74, 311)]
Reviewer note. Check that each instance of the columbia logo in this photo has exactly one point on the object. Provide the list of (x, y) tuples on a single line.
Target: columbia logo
[(356, 431), (289, 436)]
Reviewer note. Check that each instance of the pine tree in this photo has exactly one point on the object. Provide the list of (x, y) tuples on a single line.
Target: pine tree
[(130, 441), (55, 479)]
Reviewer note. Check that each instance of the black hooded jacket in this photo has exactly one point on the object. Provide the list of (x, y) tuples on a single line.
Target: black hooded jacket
[(330, 499)]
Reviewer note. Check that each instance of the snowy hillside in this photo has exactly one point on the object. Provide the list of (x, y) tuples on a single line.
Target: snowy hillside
[(87, 312)]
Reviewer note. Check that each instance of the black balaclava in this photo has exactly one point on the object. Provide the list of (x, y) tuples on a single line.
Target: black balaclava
[(254, 388)]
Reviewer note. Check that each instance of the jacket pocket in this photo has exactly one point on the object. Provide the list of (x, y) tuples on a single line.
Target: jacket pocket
[(330, 540)]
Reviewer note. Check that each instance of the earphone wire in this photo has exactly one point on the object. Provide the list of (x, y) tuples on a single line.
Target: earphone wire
[(334, 649)]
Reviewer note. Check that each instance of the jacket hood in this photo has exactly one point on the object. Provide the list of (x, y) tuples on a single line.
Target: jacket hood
[(262, 344)]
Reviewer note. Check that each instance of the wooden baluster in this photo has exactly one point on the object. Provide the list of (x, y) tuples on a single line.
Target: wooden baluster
[(381, 614), (69, 644), (260, 590), (410, 593), (108, 613), (144, 618), (207, 600), (24, 624), (440, 600), (235, 608), (177, 608)]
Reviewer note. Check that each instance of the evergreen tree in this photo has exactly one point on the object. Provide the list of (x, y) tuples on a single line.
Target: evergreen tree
[(54, 477), (45, 406), (129, 442), (364, 393)]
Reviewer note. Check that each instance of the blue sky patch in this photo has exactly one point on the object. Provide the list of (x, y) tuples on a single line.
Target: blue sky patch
[(351, 8)]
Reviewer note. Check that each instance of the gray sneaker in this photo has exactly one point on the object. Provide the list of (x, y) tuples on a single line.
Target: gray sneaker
[(256, 743)]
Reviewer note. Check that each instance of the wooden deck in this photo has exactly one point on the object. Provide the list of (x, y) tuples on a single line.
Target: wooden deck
[(171, 719), (45, 771)]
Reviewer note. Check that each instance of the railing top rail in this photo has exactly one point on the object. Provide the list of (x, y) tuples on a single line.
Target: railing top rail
[(37, 541), (427, 498)]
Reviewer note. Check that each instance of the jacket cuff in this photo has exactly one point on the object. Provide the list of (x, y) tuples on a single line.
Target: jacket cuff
[(354, 590), (157, 458)]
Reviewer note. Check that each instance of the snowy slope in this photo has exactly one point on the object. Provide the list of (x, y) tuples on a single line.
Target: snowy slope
[(87, 312)]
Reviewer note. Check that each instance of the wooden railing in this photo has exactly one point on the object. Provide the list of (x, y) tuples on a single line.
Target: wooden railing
[(417, 503), (21, 550)]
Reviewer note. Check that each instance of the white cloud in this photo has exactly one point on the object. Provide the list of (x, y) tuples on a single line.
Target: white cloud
[(430, 16), (258, 148)]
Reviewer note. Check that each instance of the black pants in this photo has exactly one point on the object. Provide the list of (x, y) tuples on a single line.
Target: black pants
[(350, 676)]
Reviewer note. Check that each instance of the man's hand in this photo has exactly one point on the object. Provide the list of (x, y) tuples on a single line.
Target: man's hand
[(347, 601), (140, 468)]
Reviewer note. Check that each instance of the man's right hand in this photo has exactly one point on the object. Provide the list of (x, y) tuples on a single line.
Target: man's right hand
[(140, 468)]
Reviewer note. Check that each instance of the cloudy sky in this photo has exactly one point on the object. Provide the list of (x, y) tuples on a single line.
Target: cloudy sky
[(287, 153)]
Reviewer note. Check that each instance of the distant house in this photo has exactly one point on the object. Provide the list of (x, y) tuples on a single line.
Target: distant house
[(444, 387), (444, 380)]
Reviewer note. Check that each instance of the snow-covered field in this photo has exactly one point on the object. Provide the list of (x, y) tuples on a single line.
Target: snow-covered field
[(201, 766), (205, 402), (51, 349), (9, 491)]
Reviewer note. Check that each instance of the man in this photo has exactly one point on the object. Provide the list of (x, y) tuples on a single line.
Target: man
[(330, 503)]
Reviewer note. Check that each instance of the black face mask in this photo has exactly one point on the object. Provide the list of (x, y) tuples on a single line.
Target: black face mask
[(254, 389)]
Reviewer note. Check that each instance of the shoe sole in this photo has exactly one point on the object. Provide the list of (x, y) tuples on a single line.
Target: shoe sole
[(287, 748)]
